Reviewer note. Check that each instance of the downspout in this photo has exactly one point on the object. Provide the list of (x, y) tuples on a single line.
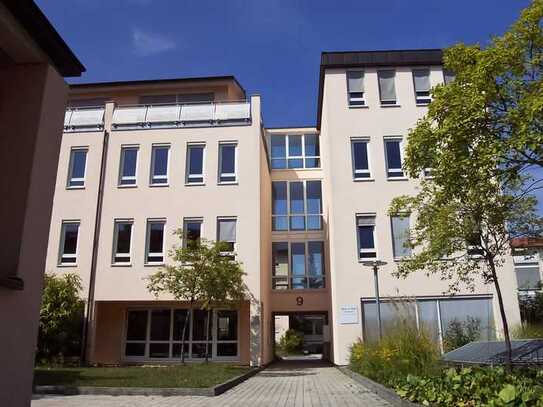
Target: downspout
[(89, 314)]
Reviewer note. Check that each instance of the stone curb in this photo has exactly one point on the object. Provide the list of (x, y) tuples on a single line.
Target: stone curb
[(146, 391), (382, 391)]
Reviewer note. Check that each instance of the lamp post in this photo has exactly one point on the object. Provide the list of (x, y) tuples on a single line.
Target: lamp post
[(375, 265)]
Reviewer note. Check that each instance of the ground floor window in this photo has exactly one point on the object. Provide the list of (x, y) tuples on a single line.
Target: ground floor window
[(156, 334), (447, 320)]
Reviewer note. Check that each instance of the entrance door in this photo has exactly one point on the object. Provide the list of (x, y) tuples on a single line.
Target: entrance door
[(308, 327)]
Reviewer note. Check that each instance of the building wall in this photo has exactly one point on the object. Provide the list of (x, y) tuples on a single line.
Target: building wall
[(31, 111), (346, 198)]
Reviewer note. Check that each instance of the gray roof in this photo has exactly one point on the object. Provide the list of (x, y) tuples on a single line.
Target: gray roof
[(494, 352)]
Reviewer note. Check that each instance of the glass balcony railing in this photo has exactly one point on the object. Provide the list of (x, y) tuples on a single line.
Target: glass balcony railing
[(84, 119), (182, 115)]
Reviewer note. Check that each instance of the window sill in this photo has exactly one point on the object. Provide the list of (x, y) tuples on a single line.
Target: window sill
[(154, 264), (121, 264), (359, 107), (367, 259), (195, 184), (394, 105), (130, 186), (82, 187), (422, 104), (227, 183), (158, 185), (397, 179), (363, 179), (67, 265)]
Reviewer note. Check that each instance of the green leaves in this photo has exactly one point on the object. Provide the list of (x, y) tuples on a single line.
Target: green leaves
[(508, 393)]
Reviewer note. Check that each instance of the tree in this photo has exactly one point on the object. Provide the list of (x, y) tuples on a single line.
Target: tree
[(203, 275), (61, 317), (478, 197)]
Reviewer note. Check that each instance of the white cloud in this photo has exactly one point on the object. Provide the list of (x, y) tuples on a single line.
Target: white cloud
[(146, 43)]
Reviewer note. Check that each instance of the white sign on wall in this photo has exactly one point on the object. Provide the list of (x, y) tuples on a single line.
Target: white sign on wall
[(348, 314)]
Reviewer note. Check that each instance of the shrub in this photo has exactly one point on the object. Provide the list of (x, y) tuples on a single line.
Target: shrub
[(404, 350), (527, 331), (291, 342), (61, 318), (531, 308), (460, 333)]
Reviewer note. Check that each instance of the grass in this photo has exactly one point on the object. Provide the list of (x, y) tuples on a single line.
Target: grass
[(189, 376)]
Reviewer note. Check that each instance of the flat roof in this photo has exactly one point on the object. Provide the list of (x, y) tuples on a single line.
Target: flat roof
[(31, 18), (353, 59)]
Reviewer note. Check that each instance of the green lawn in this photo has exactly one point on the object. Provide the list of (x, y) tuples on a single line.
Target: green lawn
[(191, 375)]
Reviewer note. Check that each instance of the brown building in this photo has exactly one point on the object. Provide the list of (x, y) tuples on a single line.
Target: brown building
[(33, 61)]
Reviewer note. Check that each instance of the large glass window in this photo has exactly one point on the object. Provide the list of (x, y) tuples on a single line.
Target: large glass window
[(227, 163), (156, 334), (394, 157), (527, 269), (77, 167), (387, 89), (421, 81), (68, 242), (297, 205), (226, 232), (295, 151), (361, 166), (122, 243), (195, 164), (192, 231), (400, 236), (355, 88), (297, 265), (366, 237), (129, 164), (437, 316), (155, 241), (159, 165)]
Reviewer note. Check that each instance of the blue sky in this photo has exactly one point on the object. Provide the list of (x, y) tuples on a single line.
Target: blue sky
[(273, 47)]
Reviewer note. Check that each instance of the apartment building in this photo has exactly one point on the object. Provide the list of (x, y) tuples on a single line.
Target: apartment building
[(301, 207)]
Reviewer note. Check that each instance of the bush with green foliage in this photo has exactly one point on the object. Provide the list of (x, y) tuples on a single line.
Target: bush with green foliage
[(403, 351), (460, 333), (474, 387), (531, 308), (61, 318), (291, 342)]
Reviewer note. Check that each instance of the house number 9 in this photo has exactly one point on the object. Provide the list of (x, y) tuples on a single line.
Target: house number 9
[(299, 300)]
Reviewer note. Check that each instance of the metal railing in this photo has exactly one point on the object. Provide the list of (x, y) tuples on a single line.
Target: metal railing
[(181, 115), (84, 119)]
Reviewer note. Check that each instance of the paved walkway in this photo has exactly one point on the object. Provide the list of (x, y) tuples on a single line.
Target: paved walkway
[(281, 385)]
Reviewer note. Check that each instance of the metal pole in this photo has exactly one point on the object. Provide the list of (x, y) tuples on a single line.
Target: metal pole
[(377, 300)]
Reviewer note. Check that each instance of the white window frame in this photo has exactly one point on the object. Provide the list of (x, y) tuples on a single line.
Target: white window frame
[(365, 140), (134, 178), (385, 102), (148, 241), (190, 176), (153, 157), (128, 255), (62, 255), (306, 275), (71, 179), (213, 339), (227, 218), (227, 174), (394, 170), (361, 250), (192, 219), (392, 235), (351, 99), (305, 214), (302, 157), (422, 100)]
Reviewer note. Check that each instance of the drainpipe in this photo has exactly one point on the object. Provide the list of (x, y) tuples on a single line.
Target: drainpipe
[(89, 309)]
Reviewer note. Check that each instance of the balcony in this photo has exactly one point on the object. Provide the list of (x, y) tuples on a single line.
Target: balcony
[(182, 115), (84, 119)]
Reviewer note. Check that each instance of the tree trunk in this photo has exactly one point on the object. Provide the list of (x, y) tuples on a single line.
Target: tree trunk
[(187, 319), (207, 334), (508, 361)]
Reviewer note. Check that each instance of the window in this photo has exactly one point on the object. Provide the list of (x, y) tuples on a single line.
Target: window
[(355, 88), (129, 164), (366, 237), (156, 334), (297, 265), (400, 236), (361, 167), (421, 80), (155, 242), (226, 232), (295, 151), (227, 163), (69, 236), (159, 165), (448, 76), (394, 157), (527, 269), (77, 167), (195, 164), (122, 241), (474, 243), (192, 231), (387, 89), (296, 205), (435, 315)]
